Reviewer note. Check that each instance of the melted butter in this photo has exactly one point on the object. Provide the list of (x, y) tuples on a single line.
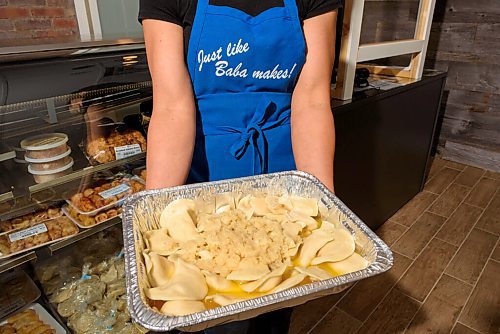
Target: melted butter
[(210, 304)]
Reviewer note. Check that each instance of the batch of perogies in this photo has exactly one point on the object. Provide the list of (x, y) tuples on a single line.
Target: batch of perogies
[(215, 253)]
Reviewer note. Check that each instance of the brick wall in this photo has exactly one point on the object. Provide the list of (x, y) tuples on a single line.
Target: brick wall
[(24, 22)]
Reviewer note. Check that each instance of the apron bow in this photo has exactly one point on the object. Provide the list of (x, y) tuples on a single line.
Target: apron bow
[(253, 135)]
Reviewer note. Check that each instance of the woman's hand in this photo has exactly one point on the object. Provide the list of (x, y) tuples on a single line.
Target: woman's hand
[(313, 131), (172, 128)]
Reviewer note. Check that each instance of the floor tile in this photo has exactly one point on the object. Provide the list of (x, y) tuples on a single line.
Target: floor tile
[(417, 236), (458, 226), (472, 256), (442, 180), (492, 175), (496, 253), (392, 315), (482, 192), (390, 232), (462, 329), (337, 321), (442, 308), (454, 164), (305, 316), (469, 176), (448, 201), (414, 208), (490, 220), (426, 270), (482, 311), (436, 166), (367, 294)]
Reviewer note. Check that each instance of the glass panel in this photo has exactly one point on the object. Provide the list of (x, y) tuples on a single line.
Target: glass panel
[(93, 114), (389, 20), (124, 18)]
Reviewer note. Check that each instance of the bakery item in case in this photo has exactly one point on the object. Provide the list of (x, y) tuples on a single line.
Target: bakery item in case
[(40, 234), (30, 219), (86, 221), (116, 146), (103, 195)]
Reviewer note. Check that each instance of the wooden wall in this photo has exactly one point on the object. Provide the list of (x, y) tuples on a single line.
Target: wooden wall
[(465, 41)]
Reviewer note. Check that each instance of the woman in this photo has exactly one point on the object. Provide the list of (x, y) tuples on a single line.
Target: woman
[(240, 88)]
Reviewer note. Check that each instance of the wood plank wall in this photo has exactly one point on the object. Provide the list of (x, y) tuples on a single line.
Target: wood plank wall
[(465, 41)]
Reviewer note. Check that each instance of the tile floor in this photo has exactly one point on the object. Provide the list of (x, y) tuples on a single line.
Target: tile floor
[(446, 273)]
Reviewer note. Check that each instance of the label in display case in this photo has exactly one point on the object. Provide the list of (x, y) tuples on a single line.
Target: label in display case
[(11, 306), (121, 188), (29, 232), (127, 151)]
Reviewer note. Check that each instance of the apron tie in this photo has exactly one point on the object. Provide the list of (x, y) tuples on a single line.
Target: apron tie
[(253, 135)]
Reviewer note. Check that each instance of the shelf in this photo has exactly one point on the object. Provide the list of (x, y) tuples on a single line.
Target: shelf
[(53, 191), (52, 248), (84, 172), (6, 196), (7, 156), (15, 261)]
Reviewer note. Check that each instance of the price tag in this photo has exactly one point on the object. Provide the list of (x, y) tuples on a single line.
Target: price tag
[(121, 188), (29, 232), (127, 151)]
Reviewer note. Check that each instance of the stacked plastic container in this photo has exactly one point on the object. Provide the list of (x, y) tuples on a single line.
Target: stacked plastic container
[(48, 155)]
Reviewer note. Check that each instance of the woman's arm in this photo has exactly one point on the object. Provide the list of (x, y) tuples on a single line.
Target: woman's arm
[(171, 132), (313, 131)]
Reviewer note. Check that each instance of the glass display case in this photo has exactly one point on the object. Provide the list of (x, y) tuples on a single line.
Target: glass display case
[(72, 147)]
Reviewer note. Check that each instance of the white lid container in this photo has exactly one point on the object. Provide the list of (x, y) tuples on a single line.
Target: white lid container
[(44, 141), (54, 158), (48, 175)]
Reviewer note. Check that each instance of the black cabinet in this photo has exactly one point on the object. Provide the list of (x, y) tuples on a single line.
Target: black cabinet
[(383, 144)]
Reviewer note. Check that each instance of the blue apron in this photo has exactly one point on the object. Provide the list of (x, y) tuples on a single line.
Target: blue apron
[(243, 70)]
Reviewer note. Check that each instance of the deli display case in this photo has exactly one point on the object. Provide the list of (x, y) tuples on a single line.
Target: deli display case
[(72, 148)]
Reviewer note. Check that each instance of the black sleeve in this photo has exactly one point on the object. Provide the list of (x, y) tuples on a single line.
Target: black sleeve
[(165, 10), (312, 8)]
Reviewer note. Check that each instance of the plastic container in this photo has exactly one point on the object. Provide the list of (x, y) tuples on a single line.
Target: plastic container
[(49, 166), (45, 146), (50, 159), (48, 175)]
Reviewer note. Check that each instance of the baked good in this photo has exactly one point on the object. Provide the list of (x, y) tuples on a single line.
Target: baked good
[(57, 228), (26, 322), (91, 199), (30, 219), (102, 150)]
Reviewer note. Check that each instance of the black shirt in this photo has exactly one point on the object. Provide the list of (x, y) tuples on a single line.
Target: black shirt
[(182, 12)]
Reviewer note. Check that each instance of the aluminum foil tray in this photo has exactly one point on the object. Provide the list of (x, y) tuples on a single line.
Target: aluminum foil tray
[(145, 207)]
